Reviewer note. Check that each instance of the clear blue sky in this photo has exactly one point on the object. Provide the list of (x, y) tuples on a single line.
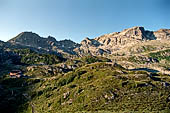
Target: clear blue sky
[(77, 19)]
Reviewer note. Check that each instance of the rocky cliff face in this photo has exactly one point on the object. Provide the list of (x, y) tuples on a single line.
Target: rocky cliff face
[(106, 44), (127, 36)]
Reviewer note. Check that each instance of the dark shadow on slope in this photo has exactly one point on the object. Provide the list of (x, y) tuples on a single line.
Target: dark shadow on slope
[(150, 35), (145, 69), (11, 95), (155, 79), (14, 94)]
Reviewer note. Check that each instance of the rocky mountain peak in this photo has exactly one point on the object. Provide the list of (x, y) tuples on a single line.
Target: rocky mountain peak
[(86, 41), (135, 32), (135, 28), (28, 39), (90, 42), (24, 36), (49, 44), (50, 38)]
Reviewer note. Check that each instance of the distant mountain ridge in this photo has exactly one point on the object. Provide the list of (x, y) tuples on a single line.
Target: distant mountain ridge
[(106, 44), (30, 39)]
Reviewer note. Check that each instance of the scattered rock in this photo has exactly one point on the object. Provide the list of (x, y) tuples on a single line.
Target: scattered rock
[(110, 96), (65, 95), (70, 101)]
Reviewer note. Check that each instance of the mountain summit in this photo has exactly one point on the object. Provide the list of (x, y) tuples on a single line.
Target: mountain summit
[(31, 39)]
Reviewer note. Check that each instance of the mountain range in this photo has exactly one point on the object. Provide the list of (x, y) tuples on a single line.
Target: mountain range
[(102, 45)]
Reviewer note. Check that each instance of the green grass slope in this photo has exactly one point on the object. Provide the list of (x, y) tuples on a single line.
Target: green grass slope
[(97, 87)]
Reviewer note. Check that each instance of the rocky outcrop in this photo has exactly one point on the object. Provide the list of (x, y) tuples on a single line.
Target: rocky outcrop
[(89, 47)]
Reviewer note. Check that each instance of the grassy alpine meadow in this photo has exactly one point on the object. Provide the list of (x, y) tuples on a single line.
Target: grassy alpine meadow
[(96, 87)]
